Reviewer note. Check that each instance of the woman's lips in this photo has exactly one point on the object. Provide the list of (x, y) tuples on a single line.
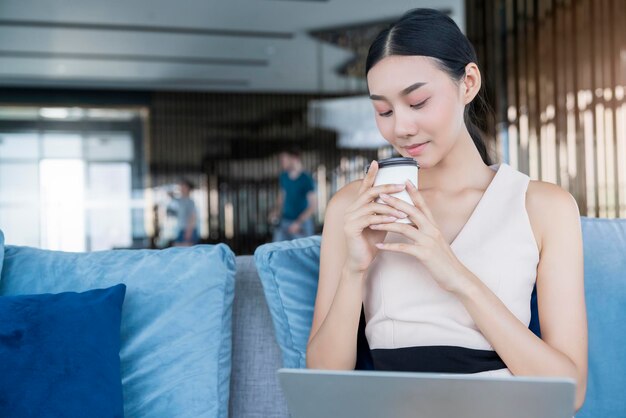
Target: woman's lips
[(417, 149)]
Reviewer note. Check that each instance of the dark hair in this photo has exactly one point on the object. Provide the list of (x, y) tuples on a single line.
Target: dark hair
[(294, 151), (431, 33), (187, 183)]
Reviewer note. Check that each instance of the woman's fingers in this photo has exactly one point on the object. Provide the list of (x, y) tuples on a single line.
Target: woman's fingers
[(407, 230), (416, 215), (359, 223), (419, 201), (374, 208), (372, 214), (373, 192), (368, 181), (368, 221)]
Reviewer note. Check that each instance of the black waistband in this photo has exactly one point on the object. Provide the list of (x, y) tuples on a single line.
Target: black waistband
[(436, 359)]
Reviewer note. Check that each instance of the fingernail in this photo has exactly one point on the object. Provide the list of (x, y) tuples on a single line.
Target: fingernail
[(391, 218), (402, 214), (384, 195)]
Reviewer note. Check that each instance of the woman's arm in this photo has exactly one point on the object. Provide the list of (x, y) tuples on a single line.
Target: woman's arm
[(333, 338), (348, 249), (562, 350)]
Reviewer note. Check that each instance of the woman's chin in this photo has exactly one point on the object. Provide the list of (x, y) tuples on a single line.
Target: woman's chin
[(424, 162)]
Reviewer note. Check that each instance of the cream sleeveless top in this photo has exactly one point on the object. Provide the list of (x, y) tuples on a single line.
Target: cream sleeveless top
[(412, 324)]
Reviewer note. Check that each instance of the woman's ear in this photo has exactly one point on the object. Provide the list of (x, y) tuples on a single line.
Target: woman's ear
[(470, 82)]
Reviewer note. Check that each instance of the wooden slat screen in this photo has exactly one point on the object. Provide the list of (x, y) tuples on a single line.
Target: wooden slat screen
[(555, 71)]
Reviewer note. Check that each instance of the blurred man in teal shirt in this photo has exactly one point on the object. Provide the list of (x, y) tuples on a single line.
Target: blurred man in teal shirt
[(296, 199)]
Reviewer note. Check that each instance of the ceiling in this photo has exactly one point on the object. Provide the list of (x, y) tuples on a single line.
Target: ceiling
[(190, 45)]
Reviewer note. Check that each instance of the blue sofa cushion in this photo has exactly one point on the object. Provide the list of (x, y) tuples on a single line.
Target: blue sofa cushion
[(605, 294), (176, 324), (1, 250), (288, 271), (60, 354)]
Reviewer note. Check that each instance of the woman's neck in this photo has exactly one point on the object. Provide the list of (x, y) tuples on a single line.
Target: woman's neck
[(461, 168)]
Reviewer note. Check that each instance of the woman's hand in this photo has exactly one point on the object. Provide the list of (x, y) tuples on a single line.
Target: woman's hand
[(363, 213), (427, 243)]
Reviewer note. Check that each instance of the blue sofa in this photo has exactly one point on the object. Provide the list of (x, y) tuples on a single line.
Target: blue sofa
[(288, 271), (258, 328)]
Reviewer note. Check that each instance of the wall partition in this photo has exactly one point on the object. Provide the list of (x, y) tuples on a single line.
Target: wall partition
[(555, 71)]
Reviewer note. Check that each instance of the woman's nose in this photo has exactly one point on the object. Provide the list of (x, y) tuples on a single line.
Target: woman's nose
[(405, 125)]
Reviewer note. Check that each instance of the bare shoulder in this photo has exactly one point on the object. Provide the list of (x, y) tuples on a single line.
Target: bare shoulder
[(335, 212), (550, 208), (545, 197), (344, 196)]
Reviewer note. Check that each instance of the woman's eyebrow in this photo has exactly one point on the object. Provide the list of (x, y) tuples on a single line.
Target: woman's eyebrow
[(404, 92)]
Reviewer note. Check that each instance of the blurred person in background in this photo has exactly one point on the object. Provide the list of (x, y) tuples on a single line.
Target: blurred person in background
[(293, 212), (185, 211)]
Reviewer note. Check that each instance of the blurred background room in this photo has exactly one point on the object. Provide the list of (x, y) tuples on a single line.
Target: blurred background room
[(114, 116)]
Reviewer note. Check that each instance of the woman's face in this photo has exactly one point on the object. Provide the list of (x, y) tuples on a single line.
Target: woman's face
[(415, 102)]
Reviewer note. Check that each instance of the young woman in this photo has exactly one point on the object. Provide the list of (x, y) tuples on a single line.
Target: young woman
[(450, 293)]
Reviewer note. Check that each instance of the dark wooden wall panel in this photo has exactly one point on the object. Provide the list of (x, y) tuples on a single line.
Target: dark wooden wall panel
[(555, 71)]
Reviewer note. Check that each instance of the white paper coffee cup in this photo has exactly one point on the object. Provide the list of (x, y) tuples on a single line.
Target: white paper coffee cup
[(397, 170)]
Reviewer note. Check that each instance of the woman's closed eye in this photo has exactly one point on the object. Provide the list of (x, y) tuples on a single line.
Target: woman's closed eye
[(415, 106)]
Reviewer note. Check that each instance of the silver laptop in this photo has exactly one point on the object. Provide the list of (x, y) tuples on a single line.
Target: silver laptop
[(374, 394)]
